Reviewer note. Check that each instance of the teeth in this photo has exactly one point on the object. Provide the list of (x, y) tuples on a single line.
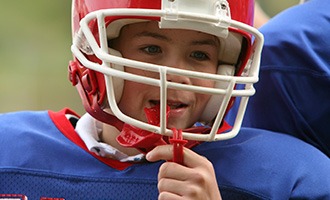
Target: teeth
[(172, 105), (175, 105)]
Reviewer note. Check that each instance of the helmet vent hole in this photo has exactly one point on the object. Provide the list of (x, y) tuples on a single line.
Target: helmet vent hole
[(223, 6)]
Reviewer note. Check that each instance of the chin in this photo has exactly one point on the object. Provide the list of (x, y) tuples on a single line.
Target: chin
[(177, 125)]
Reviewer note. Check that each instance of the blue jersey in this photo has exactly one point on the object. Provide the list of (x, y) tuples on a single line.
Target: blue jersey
[(43, 157), (294, 88)]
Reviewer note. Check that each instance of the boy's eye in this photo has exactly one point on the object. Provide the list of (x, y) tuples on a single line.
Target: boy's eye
[(152, 49), (199, 55)]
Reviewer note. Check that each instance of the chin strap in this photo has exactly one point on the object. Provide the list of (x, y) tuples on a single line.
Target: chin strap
[(178, 144), (145, 141)]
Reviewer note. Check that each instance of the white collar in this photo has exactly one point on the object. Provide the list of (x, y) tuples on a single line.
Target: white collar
[(88, 128)]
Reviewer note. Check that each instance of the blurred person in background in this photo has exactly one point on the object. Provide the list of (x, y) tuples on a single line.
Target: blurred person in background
[(294, 88), (260, 17)]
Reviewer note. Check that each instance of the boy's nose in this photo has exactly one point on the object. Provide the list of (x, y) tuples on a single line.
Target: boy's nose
[(175, 61), (178, 78)]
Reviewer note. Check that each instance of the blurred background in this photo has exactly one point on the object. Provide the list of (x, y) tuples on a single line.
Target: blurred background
[(35, 39)]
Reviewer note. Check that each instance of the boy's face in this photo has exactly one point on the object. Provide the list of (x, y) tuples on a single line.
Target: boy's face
[(184, 49)]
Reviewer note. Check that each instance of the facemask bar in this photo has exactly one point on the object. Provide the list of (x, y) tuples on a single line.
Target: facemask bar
[(177, 14), (106, 68)]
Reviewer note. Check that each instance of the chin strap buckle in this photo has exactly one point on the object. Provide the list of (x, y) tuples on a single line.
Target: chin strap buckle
[(178, 144)]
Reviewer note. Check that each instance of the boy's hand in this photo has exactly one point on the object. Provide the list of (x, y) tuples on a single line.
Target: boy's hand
[(193, 180)]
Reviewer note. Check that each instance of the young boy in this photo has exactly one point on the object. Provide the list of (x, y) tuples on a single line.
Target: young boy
[(148, 76)]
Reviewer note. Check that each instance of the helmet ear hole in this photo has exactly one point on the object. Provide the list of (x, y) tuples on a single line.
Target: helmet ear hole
[(212, 107), (118, 83)]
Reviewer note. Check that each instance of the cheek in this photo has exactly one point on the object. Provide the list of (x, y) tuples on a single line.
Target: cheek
[(129, 88), (132, 89), (202, 99), (130, 97), (203, 83), (134, 99)]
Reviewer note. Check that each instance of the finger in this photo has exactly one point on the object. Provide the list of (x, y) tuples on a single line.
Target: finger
[(189, 190), (193, 160), (165, 152), (185, 175), (168, 195), (171, 170), (170, 185)]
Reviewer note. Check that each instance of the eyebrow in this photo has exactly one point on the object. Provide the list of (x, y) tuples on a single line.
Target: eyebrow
[(212, 42), (152, 34)]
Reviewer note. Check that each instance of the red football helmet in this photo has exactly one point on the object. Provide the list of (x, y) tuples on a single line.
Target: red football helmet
[(98, 71)]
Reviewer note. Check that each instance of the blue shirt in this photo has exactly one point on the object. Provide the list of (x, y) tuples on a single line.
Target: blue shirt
[(41, 156)]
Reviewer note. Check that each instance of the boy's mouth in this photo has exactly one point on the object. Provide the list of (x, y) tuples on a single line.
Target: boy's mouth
[(172, 104)]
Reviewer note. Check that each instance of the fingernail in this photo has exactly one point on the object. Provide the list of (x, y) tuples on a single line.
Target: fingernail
[(148, 156)]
